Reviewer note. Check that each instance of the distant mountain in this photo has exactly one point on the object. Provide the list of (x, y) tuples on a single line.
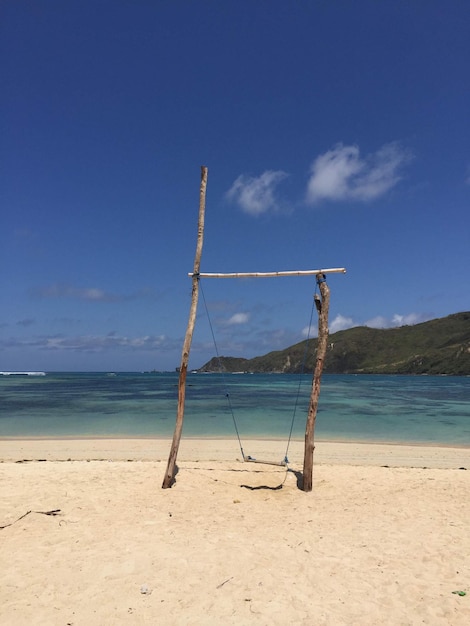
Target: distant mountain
[(440, 346)]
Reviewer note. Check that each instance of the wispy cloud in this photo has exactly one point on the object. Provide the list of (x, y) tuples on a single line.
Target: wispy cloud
[(88, 294), (341, 174), (343, 322), (273, 339), (24, 234), (94, 343), (398, 319), (257, 195), (255, 343), (27, 321)]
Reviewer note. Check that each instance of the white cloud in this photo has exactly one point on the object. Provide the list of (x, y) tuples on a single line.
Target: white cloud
[(341, 323), (257, 195), (398, 320), (467, 178), (341, 174), (310, 331), (238, 318), (379, 321), (408, 320)]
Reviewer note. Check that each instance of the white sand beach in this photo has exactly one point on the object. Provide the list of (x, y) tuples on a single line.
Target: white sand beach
[(383, 538)]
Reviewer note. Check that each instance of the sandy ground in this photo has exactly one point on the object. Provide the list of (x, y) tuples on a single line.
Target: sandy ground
[(383, 538)]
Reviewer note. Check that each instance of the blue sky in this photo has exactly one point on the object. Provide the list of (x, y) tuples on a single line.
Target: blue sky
[(335, 133)]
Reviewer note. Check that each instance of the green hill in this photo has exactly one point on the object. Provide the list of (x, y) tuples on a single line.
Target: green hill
[(440, 346)]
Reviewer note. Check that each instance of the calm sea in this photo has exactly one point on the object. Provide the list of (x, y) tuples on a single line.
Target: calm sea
[(418, 409)]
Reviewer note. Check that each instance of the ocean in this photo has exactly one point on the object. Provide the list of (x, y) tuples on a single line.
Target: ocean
[(396, 409)]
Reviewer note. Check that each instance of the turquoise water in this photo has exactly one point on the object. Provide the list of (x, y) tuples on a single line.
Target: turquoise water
[(424, 409)]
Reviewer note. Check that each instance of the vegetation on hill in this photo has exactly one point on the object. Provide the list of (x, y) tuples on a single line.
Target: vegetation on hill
[(440, 346)]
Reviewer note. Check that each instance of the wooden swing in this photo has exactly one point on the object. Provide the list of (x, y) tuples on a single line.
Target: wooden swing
[(247, 458), (322, 304)]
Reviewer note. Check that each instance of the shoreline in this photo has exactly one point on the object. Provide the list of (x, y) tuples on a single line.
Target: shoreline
[(366, 442), (219, 450)]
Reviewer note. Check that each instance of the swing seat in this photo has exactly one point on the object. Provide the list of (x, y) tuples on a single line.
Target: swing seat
[(250, 459)]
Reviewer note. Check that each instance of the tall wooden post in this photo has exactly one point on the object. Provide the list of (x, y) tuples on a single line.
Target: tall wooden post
[(170, 470), (323, 305)]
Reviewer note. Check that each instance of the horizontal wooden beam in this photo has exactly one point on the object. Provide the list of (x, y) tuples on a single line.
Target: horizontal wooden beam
[(334, 270)]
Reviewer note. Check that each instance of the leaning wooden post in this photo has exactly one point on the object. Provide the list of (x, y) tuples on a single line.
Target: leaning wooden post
[(323, 305), (170, 470)]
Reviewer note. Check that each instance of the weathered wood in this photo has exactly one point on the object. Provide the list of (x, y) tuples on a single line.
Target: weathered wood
[(170, 470), (332, 270), (322, 308), (249, 459)]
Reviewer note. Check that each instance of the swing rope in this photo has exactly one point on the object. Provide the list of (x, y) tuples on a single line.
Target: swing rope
[(285, 461), (302, 371), (227, 395)]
